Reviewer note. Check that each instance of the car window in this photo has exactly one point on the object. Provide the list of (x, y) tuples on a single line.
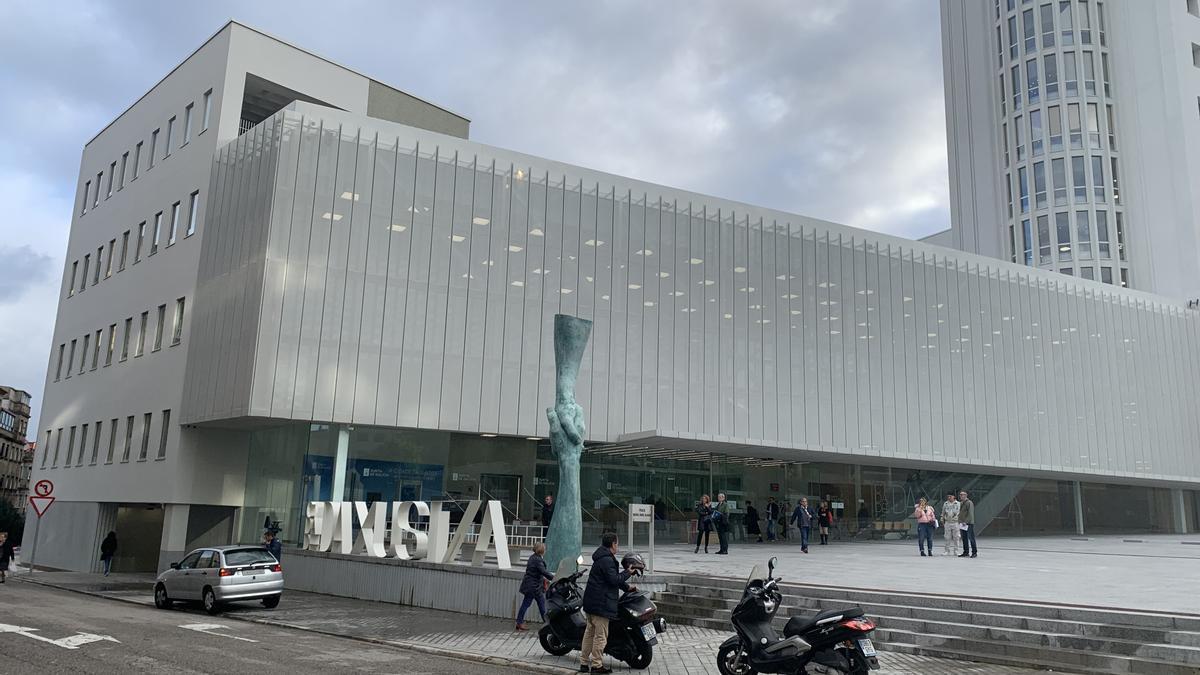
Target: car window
[(248, 556), (206, 560), (190, 561)]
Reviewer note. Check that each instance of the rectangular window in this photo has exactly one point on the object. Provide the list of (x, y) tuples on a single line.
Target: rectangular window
[(1031, 80), (1067, 271), (125, 341), (1099, 187), (1062, 225), (74, 273), (170, 135), (177, 324), (187, 124), (999, 47), (1120, 236), (207, 111), (96, 443), (1104, 73), (1004, 133), (83, 441), (83, 353), (166, 429), (1075, 126), (193, 208), (1012, 37), (1065, 23), (71, 359), (1102, 235), (1071, 74), (112, 344), (153, 149), (128, 438), (1058, 174), (137, 159), (1003, 101), (1008, 186), (1047, 16), (1043, 225), (1019, 136), (1106, 275), (1023, 189), (70, 448), (137, 251), (1054, 118), (57, 447), (46, 449), (99, 261), (1112, 128), (87, 192), (1124, 272), (147, 419), (96, 349), (1100, 21), (112, 173), (174, 223), (1085, 24), (87, 262), (1088, 273), (96, 197), (1039, 185), (1089, 74), (124, 250), (112, 440), (1027, 234), (1084, 231), (1016, 87), (1050, 62), (158, 329), (124, 166), (1012, 242), (58, 370), (1030, 31), (1193, 7), (112, 247), (1035, 132), (1116, 184), (155, 234), (140, 347), (1079, 179)]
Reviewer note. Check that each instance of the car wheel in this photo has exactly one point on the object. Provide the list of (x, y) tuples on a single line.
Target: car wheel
[(270, 602), (161, 599), (210, 601)]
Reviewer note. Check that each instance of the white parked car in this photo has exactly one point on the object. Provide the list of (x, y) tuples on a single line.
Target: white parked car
[(220, 574)]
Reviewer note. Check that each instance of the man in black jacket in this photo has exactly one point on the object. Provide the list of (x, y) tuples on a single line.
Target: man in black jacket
[(547, 511), (604, 586)]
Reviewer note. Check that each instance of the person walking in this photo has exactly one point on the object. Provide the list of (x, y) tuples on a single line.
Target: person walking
[(274, 546), (108, 548), (926, 522), (752, 528), (721, 522), (966, 523), (704, 513), (6, 555), (547, 512), (604, 584), (532, 586), (802, 518), (772, 518), (824, 521), (950, 510)]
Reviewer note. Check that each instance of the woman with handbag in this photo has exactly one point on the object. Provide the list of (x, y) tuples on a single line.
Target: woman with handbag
[(926, 524), (704, 524)]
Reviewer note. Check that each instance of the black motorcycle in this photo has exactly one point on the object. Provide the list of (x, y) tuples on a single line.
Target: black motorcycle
[(631, 638), (834, 642)]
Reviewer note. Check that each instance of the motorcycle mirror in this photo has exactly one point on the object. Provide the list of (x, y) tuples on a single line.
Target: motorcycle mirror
[(771, 566), (579, 560)]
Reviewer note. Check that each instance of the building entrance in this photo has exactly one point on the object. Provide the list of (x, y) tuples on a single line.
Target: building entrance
[(507, 490)]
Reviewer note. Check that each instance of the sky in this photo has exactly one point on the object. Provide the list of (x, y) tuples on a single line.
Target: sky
[(828, 108)]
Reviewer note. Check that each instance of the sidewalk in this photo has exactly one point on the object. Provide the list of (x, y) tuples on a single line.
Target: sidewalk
[(681, 650)]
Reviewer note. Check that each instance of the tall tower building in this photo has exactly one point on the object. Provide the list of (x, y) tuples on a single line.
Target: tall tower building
[(1074, 136)]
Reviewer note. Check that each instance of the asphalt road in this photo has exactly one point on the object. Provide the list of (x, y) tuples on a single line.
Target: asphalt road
[(46, 630)]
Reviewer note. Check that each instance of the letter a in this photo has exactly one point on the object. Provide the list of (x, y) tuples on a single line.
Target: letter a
[(491, 531)]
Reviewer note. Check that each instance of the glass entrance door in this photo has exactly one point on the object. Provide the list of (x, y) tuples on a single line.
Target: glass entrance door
[(506, 489)]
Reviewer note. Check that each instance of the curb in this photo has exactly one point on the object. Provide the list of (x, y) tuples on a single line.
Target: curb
[(528, 666)]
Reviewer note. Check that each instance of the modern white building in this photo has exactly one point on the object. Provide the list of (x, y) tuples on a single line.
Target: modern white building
[(1074, 136), (308, 285)]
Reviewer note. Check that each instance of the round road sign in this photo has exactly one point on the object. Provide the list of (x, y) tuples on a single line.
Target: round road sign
[(43, 488)]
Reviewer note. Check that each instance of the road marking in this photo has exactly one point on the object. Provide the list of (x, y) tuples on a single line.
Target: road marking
[(69, 642), (210, 627)]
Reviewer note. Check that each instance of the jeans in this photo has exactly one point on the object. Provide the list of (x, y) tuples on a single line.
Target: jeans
[(804, 532), (770, 529), (952, 538), (968, 540), (107, 565), (530, 598), (595, 637), (925, 537)]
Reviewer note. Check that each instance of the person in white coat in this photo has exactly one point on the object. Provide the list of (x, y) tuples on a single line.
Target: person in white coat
[(950, 521)]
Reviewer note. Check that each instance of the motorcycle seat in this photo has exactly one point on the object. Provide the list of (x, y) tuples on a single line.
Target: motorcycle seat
[(799, 625)]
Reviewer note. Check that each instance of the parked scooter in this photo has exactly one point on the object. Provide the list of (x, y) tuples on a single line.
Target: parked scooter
[(834, 642), (631, 638)]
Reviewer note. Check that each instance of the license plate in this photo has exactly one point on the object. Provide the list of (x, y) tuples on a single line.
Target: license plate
[(867, 648), (648, 632)]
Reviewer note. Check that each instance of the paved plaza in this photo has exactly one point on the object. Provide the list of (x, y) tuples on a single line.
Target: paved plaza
[(1148, 572)]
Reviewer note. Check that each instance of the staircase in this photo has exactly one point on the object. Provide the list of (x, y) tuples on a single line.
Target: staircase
[(1061, 638)]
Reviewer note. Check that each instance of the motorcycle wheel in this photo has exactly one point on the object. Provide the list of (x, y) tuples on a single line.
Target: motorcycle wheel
[(730, 650), (551, 643), (641, 660)]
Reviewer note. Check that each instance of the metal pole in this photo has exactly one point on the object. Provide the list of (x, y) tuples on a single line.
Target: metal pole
[(33, 551), (1078, 490)]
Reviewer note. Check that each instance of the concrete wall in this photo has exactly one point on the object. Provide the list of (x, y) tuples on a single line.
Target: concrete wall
[(68, 536)]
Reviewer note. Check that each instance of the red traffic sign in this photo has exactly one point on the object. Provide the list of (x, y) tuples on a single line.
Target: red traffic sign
[(43, 488), (40, 504)]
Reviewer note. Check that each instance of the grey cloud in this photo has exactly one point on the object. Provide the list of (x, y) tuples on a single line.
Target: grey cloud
[(23, 268)]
